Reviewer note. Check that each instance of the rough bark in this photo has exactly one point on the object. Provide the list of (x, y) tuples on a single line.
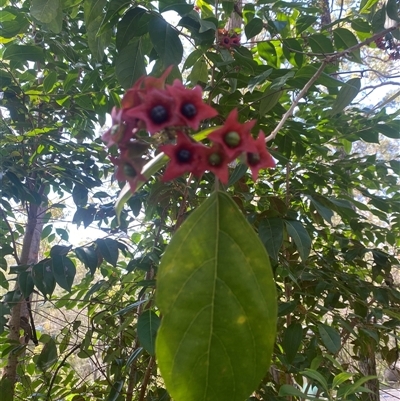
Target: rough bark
[(29, 256)]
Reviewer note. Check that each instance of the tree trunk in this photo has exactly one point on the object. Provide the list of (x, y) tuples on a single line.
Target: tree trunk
[(29, 256)]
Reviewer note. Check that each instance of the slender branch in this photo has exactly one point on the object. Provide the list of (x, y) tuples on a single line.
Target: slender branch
[(16, 257), (365, 42), (379, 85), (288, 114), (146, 380), (59, 367)]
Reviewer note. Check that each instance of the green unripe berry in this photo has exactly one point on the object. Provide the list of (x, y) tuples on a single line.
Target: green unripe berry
[(215, 159), (232, 139)]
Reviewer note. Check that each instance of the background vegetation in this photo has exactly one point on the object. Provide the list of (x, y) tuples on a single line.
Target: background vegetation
[(78, 319)]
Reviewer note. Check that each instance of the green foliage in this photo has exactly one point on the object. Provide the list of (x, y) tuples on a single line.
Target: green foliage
[(328, 215)]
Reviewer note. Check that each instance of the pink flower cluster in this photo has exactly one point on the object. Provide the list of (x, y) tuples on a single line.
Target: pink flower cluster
[(153, 106), (228, 40)]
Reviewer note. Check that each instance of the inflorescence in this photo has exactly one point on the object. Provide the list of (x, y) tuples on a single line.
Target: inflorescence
[(153, 106)]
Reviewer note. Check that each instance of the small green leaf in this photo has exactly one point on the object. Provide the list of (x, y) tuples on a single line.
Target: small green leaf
[(25, 283), (147, 327), (166, 41), (109, 250), (271, 235), (341, 378), (330, 338), (313, 374), (49, 81), (49, 355), (43, 277), (323, 211), (80, 195), (287, 390), (292, 339), (199, 72), (344, 39), (267, 51), (46, 231), (88, 256), (346, 95), (60, 250), (356, 387), (214, 279), (303, 22), (64, 271), (320, 44), (270, 98), (253, 28), (45, 10), (300, 237), (6, 389)]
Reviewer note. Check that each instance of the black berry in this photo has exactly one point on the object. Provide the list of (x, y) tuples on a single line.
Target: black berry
[(253, 159), (159, 114), (184, 156), (189, 110)]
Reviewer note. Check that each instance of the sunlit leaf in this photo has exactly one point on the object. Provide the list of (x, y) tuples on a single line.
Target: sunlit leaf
[(215, 279)]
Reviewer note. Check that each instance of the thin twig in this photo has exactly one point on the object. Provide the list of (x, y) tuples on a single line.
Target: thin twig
[(59, 367), (288, 114)]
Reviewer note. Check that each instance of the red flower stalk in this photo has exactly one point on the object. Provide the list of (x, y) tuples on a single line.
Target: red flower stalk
[(261, 158), (234, 137), (157, 111), (214, 159), (185, 157), (190, 106)]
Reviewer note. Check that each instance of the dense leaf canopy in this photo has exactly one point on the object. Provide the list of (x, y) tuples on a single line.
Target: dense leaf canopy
[(328, 214)]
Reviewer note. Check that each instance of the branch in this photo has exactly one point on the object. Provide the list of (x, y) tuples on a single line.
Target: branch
[(59, 367), (366, 42), (328, 59), (288, 114), (146, 379), (12, 236)]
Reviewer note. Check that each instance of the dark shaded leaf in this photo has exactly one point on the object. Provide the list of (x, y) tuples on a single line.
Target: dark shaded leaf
[(64, 271), (147, 327), (166, 41), (108, 249)]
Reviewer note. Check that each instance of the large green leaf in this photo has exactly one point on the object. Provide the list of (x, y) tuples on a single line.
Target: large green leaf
[(45, 10), (166, 41), (130, 64), (217, 296)]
